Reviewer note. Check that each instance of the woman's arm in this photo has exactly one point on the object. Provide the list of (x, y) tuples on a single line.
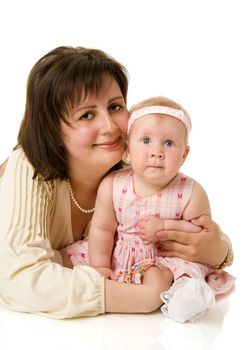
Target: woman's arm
[(205, 247), (29, 279), (103, 228)]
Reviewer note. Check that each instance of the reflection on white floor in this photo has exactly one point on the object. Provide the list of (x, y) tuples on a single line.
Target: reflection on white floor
[(195, 335), (216, 330), (158, 332)]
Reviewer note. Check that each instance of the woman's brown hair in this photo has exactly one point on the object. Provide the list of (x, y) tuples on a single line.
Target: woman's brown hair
[(56, 83)]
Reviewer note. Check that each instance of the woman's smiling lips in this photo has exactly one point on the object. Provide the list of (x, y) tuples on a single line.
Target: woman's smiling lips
[(109, 145)]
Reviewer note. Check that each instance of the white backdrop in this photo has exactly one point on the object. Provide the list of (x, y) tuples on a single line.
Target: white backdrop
[(195, 52)]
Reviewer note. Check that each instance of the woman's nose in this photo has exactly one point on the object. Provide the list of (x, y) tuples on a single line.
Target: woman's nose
[(108, 123)]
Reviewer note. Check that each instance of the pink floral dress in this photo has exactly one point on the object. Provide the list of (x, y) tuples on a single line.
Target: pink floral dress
[(131, 257)]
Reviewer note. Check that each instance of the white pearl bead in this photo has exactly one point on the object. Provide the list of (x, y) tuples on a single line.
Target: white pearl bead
[(85, 211)]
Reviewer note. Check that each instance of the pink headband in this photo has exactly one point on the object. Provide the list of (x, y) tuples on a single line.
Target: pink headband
[(176, 113)]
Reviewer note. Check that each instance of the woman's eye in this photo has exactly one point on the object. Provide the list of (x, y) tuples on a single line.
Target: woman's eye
[(146, 140), (115, 107), (86, 116), (168, 143)]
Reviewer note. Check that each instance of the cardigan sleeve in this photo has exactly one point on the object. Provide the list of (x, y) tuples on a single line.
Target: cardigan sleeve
[(30, 278)]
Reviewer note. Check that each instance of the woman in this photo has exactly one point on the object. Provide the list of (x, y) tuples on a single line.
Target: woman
[(72, 134)]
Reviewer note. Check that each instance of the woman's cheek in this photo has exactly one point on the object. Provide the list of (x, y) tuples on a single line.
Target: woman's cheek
[(123, 122)]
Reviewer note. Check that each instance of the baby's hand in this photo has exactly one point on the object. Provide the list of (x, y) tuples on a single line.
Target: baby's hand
[(106, 272), (148, 227)]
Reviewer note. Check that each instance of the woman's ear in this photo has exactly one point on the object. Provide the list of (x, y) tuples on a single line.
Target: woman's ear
[(185, 154)]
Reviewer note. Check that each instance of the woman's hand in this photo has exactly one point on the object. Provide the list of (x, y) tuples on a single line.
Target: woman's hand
[(150, 225), (106, 272), (205, 247)]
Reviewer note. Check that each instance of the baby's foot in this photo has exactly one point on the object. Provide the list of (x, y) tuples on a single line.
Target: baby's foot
[(187, 299)]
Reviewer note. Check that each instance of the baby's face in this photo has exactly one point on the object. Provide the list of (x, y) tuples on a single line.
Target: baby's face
[(157, 147)]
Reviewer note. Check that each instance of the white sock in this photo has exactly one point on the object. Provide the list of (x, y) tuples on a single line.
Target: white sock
[(187, 299)]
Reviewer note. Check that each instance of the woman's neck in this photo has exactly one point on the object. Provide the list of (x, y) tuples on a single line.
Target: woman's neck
[(83, 178), (84, 182)]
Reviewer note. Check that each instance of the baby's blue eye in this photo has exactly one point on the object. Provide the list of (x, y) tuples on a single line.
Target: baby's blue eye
[(146, 140), (168, 143)]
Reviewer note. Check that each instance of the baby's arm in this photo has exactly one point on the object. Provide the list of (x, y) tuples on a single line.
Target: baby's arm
[(198, 205), (150, 225), (103, 228)]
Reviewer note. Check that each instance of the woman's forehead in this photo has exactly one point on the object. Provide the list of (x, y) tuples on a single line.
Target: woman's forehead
[(107, 88)]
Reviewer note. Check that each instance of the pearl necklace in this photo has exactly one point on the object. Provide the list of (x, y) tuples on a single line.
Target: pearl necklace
[(85, 211)]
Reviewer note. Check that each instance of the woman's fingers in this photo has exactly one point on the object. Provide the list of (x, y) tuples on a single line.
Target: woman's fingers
[(170, 254), (206, 246), (177, 236), (204, 221), (175, 249), (173, 245), (183, 245)]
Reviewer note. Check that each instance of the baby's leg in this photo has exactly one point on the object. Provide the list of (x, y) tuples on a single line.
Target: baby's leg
[(153, 280), (162, 277), (145, 297)]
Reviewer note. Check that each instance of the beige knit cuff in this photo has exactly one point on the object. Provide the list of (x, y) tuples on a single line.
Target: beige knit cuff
[(230, 255)]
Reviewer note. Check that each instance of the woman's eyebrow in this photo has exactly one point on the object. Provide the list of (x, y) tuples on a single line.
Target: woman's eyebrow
[(116, 98), (82, 106)]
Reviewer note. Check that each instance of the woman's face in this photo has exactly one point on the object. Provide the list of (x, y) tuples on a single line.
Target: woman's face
[(95, 138)]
